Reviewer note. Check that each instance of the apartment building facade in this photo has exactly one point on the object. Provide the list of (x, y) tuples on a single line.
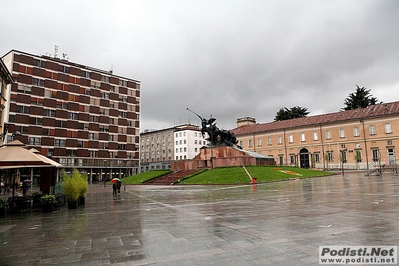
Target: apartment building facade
[(79, 116), (5, 79), (355, 139), (159, 147)]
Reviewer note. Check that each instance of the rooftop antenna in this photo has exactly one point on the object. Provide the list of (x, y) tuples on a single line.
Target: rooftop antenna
[(56, 51), (65, 56), (112, 69)]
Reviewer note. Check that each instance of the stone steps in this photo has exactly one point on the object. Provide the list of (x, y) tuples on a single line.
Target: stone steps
[(171, 178)]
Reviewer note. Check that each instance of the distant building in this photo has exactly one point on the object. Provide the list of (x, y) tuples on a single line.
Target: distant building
[(356, 139), (159, 147), (80, 116), (5, 79)]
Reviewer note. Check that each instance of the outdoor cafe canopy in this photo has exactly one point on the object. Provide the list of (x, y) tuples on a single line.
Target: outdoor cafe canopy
[(14, 155)]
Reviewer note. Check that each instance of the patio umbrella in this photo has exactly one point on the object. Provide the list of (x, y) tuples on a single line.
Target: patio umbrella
[(113, 180), (45, 159), (14, 155)]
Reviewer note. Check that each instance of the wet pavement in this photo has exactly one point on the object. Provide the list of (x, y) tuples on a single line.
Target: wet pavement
[(280, 223)]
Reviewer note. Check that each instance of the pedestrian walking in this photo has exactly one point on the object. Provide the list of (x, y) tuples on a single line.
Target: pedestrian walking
[(114, 188)]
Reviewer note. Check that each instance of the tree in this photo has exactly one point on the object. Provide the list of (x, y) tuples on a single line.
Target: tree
[(361, 98), (294, 112)]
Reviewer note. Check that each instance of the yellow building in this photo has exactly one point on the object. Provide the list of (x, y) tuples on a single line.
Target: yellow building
[(356, 139)]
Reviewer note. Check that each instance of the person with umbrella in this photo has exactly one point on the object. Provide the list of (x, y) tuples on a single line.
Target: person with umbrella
[(116, 186)]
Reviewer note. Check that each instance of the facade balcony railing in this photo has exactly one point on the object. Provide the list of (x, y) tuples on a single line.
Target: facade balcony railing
[(95, 162)]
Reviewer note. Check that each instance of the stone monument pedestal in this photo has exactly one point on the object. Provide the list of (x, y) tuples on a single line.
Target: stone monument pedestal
[(222, 156)]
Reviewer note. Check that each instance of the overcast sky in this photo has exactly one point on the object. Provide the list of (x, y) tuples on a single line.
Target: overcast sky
[(229, 59)]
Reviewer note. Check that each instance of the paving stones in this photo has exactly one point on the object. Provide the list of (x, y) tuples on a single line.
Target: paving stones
[(280, 223)]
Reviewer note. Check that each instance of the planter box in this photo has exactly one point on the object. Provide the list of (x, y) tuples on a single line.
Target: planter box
[(81, 201), (2, 212), (73, 204), (49, 207)]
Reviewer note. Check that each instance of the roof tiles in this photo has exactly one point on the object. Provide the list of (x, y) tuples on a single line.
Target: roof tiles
[(383, 109)]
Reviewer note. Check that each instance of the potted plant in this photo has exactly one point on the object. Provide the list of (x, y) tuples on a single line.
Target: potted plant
[(70, 188), (48, 203), (3, 205), (83, 185), (36, 195)]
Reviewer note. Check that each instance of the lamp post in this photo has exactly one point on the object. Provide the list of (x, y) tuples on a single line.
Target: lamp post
[(105, 172), (343, 158), (379, 162), (124, 178)]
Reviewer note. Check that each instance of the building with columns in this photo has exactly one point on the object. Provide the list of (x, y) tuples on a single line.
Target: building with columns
[(363, 139)]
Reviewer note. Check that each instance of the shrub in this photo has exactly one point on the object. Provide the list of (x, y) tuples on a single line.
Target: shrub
[(48, 199), (74, 185), (3, 203), (70, 186)]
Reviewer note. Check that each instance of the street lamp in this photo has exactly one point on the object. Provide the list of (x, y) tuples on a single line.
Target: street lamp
[(105, 170), (379, 162), (124, 185), (343, 158)]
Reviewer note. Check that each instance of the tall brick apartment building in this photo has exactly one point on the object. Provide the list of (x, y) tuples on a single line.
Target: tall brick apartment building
[(79, 116)]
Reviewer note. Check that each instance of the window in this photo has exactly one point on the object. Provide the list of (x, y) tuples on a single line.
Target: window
[(280, 140), (342, 133), (37, 82), (85, 74), (23, 89), (372, 130), (315, 136), (358, 156), (376, 155), (388, 128), (328, 134), (259, 142), (22, 109), (50, 113), (292, 158), (105, 79), (74, 116), (290, 138), (123, 83), (94, 84), (39, 63), (303, 137), (330, 156), (104, 95), (316, 157), (356, 132), (250, 143), (59, 142), (35, 121), (64, 69), (35, 141), (343, 156)]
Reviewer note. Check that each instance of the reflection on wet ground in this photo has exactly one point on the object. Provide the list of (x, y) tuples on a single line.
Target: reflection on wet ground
[(280, 223)]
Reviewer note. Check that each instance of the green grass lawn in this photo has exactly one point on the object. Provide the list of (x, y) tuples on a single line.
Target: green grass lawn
[(232, 175), (237, 175)]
